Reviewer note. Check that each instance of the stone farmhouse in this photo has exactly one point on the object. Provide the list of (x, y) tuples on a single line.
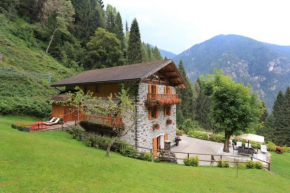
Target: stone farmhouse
[(153, 89)]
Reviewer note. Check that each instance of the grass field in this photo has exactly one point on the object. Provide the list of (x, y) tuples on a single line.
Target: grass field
[(53, 162)]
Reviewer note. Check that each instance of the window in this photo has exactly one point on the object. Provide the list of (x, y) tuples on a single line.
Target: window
[(167, 90), (153, 112), (98, 89), (167, 111)]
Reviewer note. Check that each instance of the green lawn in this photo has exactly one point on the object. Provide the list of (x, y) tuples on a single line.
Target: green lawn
[(53, 162), (281, 164)]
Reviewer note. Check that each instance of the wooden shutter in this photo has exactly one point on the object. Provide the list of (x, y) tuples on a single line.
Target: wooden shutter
[(157, 112), (166, 136), (149, 88), (170, 90), (156, 87), (154, 146)]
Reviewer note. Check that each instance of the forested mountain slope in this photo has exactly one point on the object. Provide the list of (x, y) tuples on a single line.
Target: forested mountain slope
[(25, 71), (265, 66)]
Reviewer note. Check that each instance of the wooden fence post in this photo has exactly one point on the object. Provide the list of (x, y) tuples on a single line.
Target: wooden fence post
[(251, 158), (152, 155), (221, 157), (187, 155), (269, 166)]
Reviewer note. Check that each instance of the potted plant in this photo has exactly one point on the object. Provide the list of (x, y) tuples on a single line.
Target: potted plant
[(177, 139), (169, 121), (156, 126)]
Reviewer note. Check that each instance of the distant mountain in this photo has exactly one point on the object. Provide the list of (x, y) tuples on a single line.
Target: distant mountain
[(165, 53), (265, 66)]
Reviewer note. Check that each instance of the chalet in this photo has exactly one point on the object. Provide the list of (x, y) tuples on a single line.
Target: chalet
[(153, 86)]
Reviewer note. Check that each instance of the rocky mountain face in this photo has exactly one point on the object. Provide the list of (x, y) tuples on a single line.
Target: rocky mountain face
[(265, 66)]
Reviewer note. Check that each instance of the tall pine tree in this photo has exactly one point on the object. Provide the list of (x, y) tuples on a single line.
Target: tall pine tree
[(134, 52), (185, 110)]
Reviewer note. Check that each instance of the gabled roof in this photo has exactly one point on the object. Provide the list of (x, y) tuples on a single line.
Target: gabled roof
[(133, 72)]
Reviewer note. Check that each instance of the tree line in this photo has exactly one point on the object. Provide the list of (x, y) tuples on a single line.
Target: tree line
[(82, 34)]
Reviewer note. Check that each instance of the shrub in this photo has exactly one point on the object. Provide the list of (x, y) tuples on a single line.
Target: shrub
[(129, 151), (220, 163), (197, 135), (191, 161), (226, 164), (179, 132), (216, 138), (223, 164), (271, 146), (146, 156), (77, 132), (258, 165), (189, 125), (156, 160), (250, 164), (286, 149)]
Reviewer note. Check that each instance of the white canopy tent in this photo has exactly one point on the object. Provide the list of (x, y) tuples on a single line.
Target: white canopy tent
[(252, 137)]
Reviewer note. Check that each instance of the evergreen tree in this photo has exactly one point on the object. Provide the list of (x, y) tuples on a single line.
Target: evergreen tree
[(185, 110), (119, 29), (111, 14), (156, 53), (134, 52), (88, 17), (126, 27), (101, 3), (203, 106)]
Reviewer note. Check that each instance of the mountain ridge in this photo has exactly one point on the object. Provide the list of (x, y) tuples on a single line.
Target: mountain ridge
[(265, 66)]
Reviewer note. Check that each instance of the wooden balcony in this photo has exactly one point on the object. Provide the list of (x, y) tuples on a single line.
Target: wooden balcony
[(154, 96), (102, 120)]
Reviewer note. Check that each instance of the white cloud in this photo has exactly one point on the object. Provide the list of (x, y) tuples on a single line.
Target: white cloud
[(177, 25)]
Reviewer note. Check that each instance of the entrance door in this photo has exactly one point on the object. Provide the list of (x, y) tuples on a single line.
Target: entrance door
[(158, 143)]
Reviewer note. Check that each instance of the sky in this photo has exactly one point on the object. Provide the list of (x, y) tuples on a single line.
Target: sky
[(176, 25)]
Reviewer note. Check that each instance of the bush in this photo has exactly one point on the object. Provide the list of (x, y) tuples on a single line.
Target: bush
[(191, 161), (129, 151), (220, 163), (250, 164), (271, 146), (146, 156), (223, 164), (179, 132), (216, 138), (197, 135), (156, 160), (286, 149), (258, 165), (77, 132), (226, 164)]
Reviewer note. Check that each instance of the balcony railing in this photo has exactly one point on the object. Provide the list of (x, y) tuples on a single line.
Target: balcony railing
[(162, 96), (102, 120)]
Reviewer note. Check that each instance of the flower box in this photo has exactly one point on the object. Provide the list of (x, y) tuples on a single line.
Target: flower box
[(169, 122), (156, 126)]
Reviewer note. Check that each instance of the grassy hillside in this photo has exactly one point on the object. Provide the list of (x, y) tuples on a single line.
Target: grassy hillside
[(23, 87), (53, 162)]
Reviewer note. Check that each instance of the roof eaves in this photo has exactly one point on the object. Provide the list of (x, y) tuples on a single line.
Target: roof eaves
[(109, 81), (156, 69)]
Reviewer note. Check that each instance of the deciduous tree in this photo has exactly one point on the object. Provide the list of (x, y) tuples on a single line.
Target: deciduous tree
[(234, 106)]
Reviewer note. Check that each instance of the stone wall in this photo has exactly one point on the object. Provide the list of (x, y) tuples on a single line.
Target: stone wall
[(145, 132)]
